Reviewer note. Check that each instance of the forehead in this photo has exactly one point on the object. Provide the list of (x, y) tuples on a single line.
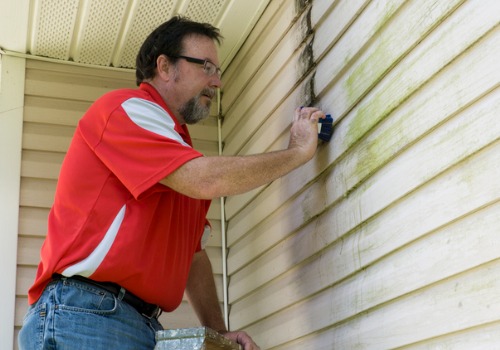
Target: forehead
[(200, 46)]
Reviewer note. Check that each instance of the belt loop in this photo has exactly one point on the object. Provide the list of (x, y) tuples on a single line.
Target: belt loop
[(121, 294), (156, 313)]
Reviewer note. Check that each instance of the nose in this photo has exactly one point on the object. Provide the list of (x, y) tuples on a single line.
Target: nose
[(215, 82)]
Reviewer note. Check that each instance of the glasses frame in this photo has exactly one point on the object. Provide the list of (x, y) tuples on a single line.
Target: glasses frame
[(208, 67)]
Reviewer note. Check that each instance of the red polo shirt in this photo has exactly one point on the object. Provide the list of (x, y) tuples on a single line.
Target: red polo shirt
[(111, 219)]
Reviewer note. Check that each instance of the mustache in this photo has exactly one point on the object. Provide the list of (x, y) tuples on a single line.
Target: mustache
[(209, 92)]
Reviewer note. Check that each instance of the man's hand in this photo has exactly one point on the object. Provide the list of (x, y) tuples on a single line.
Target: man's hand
[(304, 131), (243, 339), (221, 176)]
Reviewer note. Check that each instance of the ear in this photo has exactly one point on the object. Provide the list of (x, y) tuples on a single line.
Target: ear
[(163, 67)]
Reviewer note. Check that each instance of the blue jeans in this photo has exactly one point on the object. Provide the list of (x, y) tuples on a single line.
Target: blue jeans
[(75, 315)]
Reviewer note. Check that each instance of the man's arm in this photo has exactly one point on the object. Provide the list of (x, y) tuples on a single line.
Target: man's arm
[(202, 296), (201, 293), (212, 177)]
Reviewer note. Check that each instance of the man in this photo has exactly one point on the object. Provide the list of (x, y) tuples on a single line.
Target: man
[(127, 230)]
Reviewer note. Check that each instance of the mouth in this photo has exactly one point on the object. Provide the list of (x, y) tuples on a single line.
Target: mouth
[(208, 93)]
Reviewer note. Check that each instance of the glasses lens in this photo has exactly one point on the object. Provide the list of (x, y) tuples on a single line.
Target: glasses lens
[(211, 69)]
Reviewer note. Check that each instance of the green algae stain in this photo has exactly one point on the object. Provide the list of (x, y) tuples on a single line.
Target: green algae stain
[(362, 79), (367, 75)]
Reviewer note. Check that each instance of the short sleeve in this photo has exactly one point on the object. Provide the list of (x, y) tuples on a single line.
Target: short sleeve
[(139, 142)]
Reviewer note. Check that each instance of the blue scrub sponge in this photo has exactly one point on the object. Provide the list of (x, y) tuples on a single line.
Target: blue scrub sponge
[(325, 128)]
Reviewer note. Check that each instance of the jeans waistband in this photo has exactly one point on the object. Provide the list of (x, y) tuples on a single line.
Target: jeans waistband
[(144, 308)]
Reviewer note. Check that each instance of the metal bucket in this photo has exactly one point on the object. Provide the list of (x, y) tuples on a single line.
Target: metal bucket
[(201, 338)]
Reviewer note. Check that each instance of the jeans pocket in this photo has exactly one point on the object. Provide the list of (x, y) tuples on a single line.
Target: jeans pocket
[(32, 332), (79, 297)]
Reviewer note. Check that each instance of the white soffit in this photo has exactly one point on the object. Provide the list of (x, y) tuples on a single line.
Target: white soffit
[(109, 32)]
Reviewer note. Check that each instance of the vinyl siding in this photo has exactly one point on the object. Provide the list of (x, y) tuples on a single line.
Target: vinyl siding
[(387, 238)]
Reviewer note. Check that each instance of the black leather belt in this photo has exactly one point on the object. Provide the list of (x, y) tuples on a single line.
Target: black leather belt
[(145, 309)]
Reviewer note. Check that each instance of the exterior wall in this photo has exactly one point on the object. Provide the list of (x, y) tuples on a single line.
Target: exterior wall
[(388, 237), (11, 122), (55, 98)]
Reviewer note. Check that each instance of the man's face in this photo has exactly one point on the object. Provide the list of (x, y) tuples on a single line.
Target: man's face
[(194, 88)]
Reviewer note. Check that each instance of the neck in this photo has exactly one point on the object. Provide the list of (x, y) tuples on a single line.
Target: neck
[(171, 103)]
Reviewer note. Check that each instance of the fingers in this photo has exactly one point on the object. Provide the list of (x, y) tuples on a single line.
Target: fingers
[(243, 339), (309, 113)]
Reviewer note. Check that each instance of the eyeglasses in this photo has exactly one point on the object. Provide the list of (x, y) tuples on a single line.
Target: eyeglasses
[(208, 67)]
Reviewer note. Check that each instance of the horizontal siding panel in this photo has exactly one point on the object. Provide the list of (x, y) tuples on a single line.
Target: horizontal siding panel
[(41, 164), (342, 35), (214, 211), (207, 148), (33, 221), (321, 340), (449, 97), (54, 110), (25, 277), (104, 73), (321, 10), (486, 336), (46, 137), (267, 32), (261, 103), (205, 133), (37, 192), (28, 251), (404, 320), (413, 23), (280, 74), (215, 256), (459, 244), (466, 301), (400, 209), (215, 239), (379, 193), (53, 84), (450, 39), (459, 303), (428, 110), (21, 307), (182, 317)]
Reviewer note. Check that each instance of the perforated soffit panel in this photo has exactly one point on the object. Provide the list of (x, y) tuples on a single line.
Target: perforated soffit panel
[(110, 32)]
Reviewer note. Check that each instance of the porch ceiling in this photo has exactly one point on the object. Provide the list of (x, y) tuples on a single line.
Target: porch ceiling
[(110, 32)]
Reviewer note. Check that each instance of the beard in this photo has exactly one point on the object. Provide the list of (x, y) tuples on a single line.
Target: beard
[(193, 110)]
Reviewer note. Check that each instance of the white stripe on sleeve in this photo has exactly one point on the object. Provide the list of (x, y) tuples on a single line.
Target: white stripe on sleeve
[(150, 116)]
